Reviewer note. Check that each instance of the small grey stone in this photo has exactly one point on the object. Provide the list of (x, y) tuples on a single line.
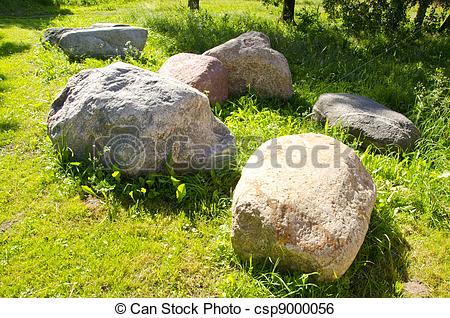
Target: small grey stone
[(305, 200), (374, 123), (250, 61), (138, 120), (416, 289)]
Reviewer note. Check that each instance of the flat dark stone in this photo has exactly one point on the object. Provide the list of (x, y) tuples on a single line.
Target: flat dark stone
[(365, 118)]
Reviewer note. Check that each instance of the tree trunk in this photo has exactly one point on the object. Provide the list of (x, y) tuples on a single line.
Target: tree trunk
[(194, 4), (421, 12), (398, 13), (288, 10), (445, 25)]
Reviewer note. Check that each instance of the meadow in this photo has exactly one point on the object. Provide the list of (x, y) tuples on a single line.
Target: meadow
[(68, 229)]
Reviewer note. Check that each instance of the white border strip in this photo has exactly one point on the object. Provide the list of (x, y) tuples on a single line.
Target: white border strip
[(222, 307)]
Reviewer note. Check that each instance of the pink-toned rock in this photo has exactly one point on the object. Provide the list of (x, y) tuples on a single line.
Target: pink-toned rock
[(205, 73)]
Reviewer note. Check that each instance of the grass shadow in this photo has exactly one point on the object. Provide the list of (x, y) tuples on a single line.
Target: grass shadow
[(2, 81), (207, 194), (202, 194), (31, 22), (10, 48), (322, 57), (31, 8), (381, 262), (8, 126), (32, 19)]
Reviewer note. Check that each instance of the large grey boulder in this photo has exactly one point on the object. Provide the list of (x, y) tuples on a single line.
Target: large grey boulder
[(103, 42), (305, 200), (251, 62), (138, 121), (374, 123)]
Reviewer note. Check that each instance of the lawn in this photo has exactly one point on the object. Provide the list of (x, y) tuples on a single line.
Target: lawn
[(57, 239)]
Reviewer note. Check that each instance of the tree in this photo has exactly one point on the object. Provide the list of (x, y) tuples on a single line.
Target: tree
[(194, 4), (288, 10), (388, 15), (421, 12), (397, 13), (445, 25), (427, 15)]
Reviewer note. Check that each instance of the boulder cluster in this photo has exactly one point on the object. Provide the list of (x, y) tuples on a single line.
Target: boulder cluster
[(304, 200)]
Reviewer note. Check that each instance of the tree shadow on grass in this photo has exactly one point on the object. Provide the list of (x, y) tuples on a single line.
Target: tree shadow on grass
[(2, 81), (3, 87), (8, 126), (10, 48), (32, 21), (380, 264), (204, 194), (31, 8), (322, 57), (207, 194)]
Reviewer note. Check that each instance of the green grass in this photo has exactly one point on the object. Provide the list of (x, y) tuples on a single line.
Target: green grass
[(57, 240)]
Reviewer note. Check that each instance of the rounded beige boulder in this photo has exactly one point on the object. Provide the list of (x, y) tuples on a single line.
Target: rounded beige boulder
[(252, 63), (305, 200)]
